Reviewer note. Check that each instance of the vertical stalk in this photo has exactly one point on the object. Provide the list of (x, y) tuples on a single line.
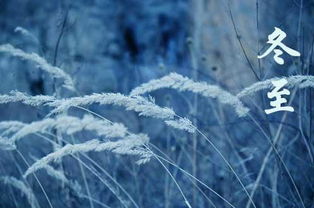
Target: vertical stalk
[(195, 51)]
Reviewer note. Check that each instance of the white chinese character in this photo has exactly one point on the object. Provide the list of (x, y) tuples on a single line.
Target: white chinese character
[(275, 39), (275, 93)]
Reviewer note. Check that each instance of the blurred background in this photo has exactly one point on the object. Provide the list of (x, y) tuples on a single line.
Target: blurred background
[(114, 46)]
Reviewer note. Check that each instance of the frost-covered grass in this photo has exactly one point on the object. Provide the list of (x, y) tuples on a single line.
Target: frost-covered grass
[(186, 134), (59, 128)]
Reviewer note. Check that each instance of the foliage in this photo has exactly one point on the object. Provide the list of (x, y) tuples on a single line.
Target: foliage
[(134, 104)]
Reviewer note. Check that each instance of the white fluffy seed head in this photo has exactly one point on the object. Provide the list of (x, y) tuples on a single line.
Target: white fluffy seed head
[(136, 103), (15, 96), (70, 125), (20, 185), (42, 64), (182, 124), (180, 83), (131, 145), (299, 81)]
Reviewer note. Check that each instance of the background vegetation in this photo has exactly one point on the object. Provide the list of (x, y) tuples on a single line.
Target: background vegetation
[(229, 160)]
